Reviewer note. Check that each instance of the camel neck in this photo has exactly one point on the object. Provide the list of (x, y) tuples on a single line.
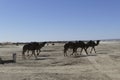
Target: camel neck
[(97, 43)]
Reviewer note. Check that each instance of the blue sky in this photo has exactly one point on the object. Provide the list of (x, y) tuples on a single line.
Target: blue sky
[(51, 20)]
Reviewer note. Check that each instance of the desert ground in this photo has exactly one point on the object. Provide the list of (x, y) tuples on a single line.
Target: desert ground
[(52, 65)]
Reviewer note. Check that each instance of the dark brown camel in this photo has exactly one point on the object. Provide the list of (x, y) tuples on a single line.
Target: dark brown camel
[(29, 47), (40, 46), (32, 47), (92, 44), (74, 46)]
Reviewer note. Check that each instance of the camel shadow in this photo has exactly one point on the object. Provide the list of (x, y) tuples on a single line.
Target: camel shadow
[(78, 56), (102, 53), (44, 58), (48, 50), (43, 55), (92, 55), (115, 56), (7, 61)]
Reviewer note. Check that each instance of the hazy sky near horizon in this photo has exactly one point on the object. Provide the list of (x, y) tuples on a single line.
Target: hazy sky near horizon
[(47, 20)]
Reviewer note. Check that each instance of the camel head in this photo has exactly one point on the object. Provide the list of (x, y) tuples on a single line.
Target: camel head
[(97, 42)]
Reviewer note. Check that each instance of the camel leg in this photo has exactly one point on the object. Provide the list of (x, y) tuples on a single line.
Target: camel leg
[(81, 51), (27, 52), (72, 52), (75, 51), (23, 55), (94, 50), (86, 51), (65, 52), (38, 52), (33, 52), (91, 50)]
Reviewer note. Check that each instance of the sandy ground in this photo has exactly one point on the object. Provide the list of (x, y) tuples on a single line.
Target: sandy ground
[(52, 65)]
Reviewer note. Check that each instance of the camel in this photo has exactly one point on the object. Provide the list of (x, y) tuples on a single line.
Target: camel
[(92, 44), (40, 46), (69, 45), (75, 46), (33, 46), (30, 47)]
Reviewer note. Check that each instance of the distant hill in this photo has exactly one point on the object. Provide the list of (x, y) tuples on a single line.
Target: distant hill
[(110, 39), (16, 43)]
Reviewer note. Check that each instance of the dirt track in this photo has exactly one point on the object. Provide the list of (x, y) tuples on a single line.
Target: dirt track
[(52, 65)]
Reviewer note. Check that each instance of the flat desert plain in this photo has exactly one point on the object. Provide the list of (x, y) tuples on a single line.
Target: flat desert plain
[(52, 65)]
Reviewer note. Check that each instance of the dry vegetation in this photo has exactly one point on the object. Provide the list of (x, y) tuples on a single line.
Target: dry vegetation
[(52, 65)]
